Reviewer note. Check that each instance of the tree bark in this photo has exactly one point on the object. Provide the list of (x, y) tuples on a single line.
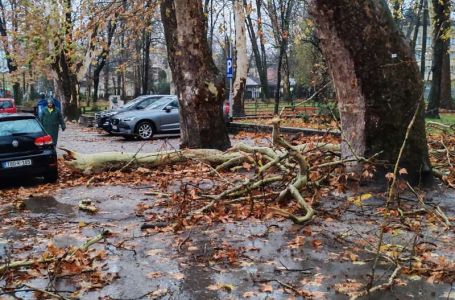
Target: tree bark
[(146, 62), (446, 82), (241, 60), (424, 40), (259, 55), (441, 27), (417, 26), (102, 58), (286, 78), (278, 79), (106, 81), (68, 85), (200, 87), (376, 80)]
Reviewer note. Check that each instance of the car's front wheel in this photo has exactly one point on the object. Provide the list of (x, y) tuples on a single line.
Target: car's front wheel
[(51, 176), (145, 130)]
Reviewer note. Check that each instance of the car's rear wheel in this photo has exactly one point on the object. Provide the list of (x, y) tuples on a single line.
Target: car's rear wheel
[(145, 130), (51, 176)]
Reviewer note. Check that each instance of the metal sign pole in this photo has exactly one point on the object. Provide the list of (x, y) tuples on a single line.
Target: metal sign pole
[(232, 66)]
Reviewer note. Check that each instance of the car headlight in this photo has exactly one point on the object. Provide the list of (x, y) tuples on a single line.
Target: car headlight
[(129, 119)]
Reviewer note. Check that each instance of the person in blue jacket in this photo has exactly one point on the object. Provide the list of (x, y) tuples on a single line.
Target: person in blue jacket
[(42, 104)]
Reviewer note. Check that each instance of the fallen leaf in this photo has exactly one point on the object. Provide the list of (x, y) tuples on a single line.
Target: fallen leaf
[(154, 275), (266, 288), (358, 200), (153, 252), (248, 294), (178, 276)]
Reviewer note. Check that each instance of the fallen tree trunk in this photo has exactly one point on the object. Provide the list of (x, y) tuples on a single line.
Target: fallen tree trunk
[(99, 162)]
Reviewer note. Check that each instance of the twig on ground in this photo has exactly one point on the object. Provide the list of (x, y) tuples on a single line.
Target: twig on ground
[(179, 248), (383, 286), (391, 191), (45, 292), (27, 263)]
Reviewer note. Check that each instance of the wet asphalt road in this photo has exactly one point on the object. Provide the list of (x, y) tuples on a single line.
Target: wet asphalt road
[(91, 140), (187, 264)]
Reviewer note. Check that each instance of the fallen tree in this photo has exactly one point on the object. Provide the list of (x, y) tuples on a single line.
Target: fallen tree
[(282, 164)]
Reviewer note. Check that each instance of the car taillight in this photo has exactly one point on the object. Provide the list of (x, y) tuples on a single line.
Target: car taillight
[(43, 140)]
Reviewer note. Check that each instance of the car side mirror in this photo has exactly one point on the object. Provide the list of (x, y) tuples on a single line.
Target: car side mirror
[(168, 109)]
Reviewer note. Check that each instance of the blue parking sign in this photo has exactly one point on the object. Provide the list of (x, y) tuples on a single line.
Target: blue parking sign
[(229, 67)]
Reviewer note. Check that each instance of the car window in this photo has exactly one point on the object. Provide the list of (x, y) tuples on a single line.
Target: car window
[(160, 103), (11, 127), (133, 102), (174, 103), (147, 102), (5, 104)]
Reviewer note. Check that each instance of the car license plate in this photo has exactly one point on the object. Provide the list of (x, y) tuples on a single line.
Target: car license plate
[(17, 163), (115, 127)]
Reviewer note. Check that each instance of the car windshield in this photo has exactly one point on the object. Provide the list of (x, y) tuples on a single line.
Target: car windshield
[(5, 104), (161, 103), (17, 127), (134, 102)]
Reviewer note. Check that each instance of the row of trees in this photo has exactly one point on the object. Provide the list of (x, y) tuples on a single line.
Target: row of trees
[(373, 69), (414, 19), (374, 72)]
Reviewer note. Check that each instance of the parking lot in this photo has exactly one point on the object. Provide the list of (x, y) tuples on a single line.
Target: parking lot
[(91, 140)]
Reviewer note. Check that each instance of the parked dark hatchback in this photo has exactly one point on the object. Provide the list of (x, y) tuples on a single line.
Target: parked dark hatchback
[(26, 149)]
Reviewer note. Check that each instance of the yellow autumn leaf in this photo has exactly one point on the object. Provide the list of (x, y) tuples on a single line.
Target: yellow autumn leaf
[(357, 200)]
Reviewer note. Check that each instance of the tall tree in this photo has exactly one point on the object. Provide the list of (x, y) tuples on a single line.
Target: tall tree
[(446, 80), (260, 57), (241, 61), (102, 58), (7, 48), (441, 31), (423, 56), (200, 86), (376, 79), (418, 19), (280, 15)]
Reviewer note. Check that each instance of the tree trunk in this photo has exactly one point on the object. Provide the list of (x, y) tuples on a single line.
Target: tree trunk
[(424, 41), (377, 82), (200, 87), (263, 55), (241, 64), (260, 60), (96, 84), (278, 80), (106, 82), (286, 78), (146, 62), (446, 82), (417, 26), (102, 58), (68, 85), (441, 25)]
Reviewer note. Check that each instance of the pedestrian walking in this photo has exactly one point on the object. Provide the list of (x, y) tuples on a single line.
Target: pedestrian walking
[(42, 104), (52, 119)]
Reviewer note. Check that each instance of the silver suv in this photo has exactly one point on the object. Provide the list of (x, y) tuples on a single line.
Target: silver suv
[(162, 116)]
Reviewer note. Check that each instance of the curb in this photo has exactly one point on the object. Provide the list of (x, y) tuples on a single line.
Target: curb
[(236, 127)]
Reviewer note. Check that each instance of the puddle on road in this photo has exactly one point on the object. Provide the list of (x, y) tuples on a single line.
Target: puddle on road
[(48, 205)]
